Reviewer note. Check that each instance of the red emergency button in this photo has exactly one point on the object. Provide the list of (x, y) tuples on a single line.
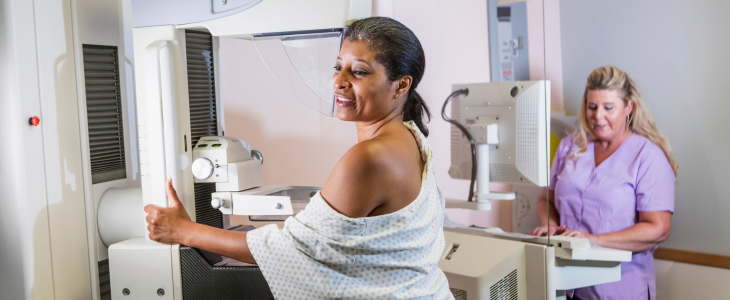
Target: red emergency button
[(35, 120)]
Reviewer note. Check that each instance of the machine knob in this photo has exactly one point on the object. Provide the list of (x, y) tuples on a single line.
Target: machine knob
[(256, 154), (202, 168), (279, 206), (217, 203)]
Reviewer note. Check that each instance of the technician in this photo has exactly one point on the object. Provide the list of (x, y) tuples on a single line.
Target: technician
[(375, 230), (612, 182)]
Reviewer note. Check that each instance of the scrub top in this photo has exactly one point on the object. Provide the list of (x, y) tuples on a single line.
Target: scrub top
[(636, 177)]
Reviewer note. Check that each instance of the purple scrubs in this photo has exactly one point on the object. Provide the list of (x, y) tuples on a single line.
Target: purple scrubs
[(636, 177)]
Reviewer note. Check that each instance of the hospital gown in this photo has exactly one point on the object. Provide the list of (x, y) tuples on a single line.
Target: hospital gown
[(322, 254)]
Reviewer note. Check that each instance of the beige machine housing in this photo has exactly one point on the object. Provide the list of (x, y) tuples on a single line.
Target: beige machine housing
[(485, 266)]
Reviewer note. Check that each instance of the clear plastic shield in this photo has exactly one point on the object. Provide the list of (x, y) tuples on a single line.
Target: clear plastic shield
[(303, 63)]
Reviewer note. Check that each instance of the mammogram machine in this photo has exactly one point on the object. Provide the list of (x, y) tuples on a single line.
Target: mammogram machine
[(216, 175), (108, 98), (510, 123)]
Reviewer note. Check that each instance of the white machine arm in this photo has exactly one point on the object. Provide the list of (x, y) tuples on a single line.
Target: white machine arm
[(486, 132), (256, 205), (229, 163)]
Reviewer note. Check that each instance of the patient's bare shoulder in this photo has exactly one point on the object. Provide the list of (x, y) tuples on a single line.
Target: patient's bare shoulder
[(352, 187), (379, 175)]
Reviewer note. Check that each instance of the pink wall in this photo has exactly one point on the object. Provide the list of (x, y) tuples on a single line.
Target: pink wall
[(544, 50)]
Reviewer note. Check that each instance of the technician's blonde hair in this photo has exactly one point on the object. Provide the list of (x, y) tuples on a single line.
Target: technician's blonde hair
[(640, 121)]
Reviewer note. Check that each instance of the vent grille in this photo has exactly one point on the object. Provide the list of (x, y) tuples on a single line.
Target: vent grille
[(458, 294), (104, 113), (203, 116), (528, 133), (105, 288), (503, 173), (204, 213), (505, 288), (201, 84)]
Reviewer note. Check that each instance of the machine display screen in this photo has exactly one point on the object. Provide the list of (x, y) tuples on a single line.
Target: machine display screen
[(216, 145), (203, 145)]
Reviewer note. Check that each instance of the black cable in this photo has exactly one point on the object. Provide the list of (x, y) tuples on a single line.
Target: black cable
[(472, 141)]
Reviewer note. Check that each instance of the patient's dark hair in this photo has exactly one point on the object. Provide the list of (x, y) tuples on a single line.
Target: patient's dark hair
[(399, 50)]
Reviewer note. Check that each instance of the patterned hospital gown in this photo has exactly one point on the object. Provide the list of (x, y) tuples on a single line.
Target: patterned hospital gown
[(322, 254)]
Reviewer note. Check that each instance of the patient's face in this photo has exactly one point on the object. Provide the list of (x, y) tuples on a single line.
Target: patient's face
[(362, 90), (606, 114)]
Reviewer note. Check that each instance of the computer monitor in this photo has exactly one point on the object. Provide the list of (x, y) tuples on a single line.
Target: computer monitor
[(509, 121)]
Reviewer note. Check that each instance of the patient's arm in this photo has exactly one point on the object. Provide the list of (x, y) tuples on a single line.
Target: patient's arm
[(172, 225)]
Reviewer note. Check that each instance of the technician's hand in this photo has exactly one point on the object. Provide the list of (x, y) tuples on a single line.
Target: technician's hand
[(543, 230), (167, 224), (581, 234)]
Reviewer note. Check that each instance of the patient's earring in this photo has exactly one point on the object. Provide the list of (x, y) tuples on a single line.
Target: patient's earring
[(397, 95)]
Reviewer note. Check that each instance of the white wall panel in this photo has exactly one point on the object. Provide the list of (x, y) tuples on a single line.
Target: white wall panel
[(61, 144), (25, 248), (679, 281)]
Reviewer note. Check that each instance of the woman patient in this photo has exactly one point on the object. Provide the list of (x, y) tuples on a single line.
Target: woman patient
[(375, 229)]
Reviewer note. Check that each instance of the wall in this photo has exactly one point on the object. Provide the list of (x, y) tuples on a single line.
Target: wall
[(543, 22), (677, 281)]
